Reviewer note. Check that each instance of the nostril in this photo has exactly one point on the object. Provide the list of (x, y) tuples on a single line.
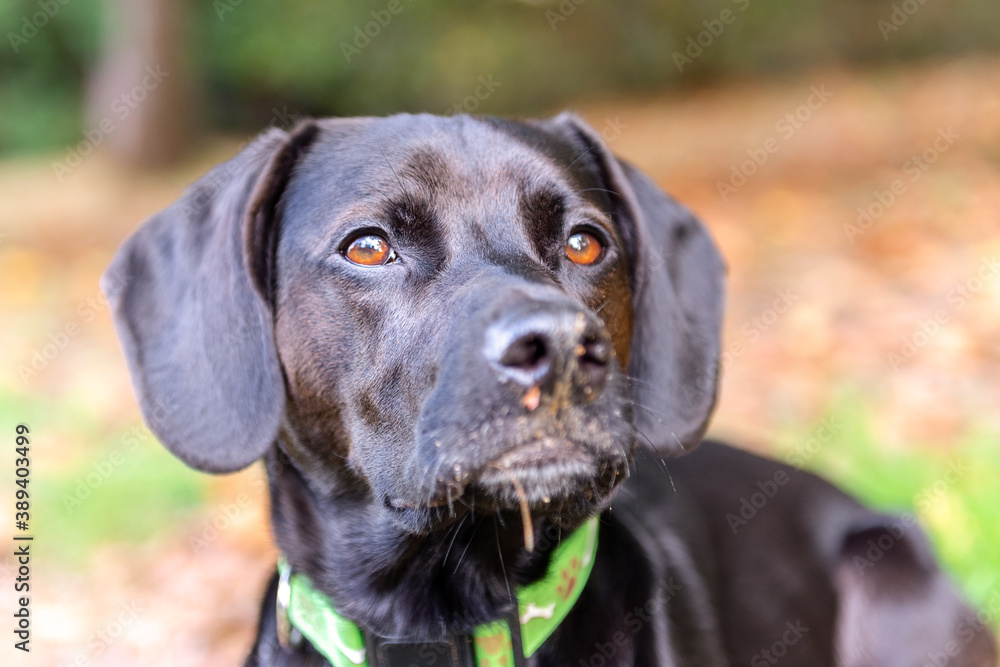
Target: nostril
[(553, 351), (527, 352), (594, 351), (594, 355)]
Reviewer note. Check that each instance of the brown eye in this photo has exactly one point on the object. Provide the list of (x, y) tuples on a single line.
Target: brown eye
[(583, 248), (369, 250)]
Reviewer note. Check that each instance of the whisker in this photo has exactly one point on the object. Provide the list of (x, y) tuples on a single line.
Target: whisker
[(644, 383), (659, 459), (466, 550), (457, 529), (669, 476), (649, 386), (610, 192), (391, 168), (432, 486), (652, 448), (638, 485), (679, 443), (646, 409), (578, 158), (500, 553)]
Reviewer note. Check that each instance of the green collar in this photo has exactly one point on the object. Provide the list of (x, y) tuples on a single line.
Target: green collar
[(542, 606)]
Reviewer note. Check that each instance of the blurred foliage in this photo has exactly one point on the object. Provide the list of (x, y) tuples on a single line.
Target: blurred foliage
[(118, 495), (123, 486), (43, 72), (952, 491), (296, 56)]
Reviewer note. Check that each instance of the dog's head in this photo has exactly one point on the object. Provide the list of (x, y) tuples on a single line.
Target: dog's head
[(431, 313)]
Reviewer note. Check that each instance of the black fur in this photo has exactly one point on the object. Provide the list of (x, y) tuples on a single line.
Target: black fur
[(405, 411)]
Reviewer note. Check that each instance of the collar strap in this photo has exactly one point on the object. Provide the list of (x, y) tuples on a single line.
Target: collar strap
[(541, 607)]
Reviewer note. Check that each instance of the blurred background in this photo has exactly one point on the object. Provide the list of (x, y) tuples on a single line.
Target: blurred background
[(845, 153)]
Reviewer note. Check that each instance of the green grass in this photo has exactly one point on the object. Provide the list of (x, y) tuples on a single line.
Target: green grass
[(953, 491), (120, 484), (143, 495)]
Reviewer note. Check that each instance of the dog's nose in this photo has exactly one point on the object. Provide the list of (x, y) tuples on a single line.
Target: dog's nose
[(552, 348)]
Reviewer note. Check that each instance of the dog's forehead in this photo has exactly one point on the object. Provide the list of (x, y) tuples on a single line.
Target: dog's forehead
[(471, 177)]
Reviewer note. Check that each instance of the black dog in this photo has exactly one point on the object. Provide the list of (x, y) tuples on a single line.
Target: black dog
[(452, 340)]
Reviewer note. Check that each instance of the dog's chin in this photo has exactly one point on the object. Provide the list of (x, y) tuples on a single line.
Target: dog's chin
[(549, 479), (563, 482)]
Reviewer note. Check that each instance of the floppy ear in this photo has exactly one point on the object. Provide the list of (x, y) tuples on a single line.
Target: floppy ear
[(190, 295), (678, 296)]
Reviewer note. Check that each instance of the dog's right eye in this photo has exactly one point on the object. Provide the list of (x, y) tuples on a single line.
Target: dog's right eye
[(369, 250), (584, 248)]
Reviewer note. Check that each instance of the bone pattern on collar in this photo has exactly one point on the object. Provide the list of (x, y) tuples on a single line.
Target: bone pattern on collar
[(542, 606)]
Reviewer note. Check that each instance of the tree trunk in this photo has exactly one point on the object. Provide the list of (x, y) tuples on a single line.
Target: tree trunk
[(139, 99)]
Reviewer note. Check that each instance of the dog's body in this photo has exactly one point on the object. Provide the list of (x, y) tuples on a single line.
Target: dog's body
[(799, 583), (447, 337)]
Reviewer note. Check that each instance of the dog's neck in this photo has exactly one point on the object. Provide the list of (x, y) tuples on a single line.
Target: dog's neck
[(419, 587)]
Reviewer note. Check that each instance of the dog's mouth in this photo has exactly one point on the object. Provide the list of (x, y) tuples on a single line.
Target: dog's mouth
[(548, 477), (539, 474)]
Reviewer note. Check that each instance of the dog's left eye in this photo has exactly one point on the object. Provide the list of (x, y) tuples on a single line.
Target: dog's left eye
[(370, 250), (584, 248)]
